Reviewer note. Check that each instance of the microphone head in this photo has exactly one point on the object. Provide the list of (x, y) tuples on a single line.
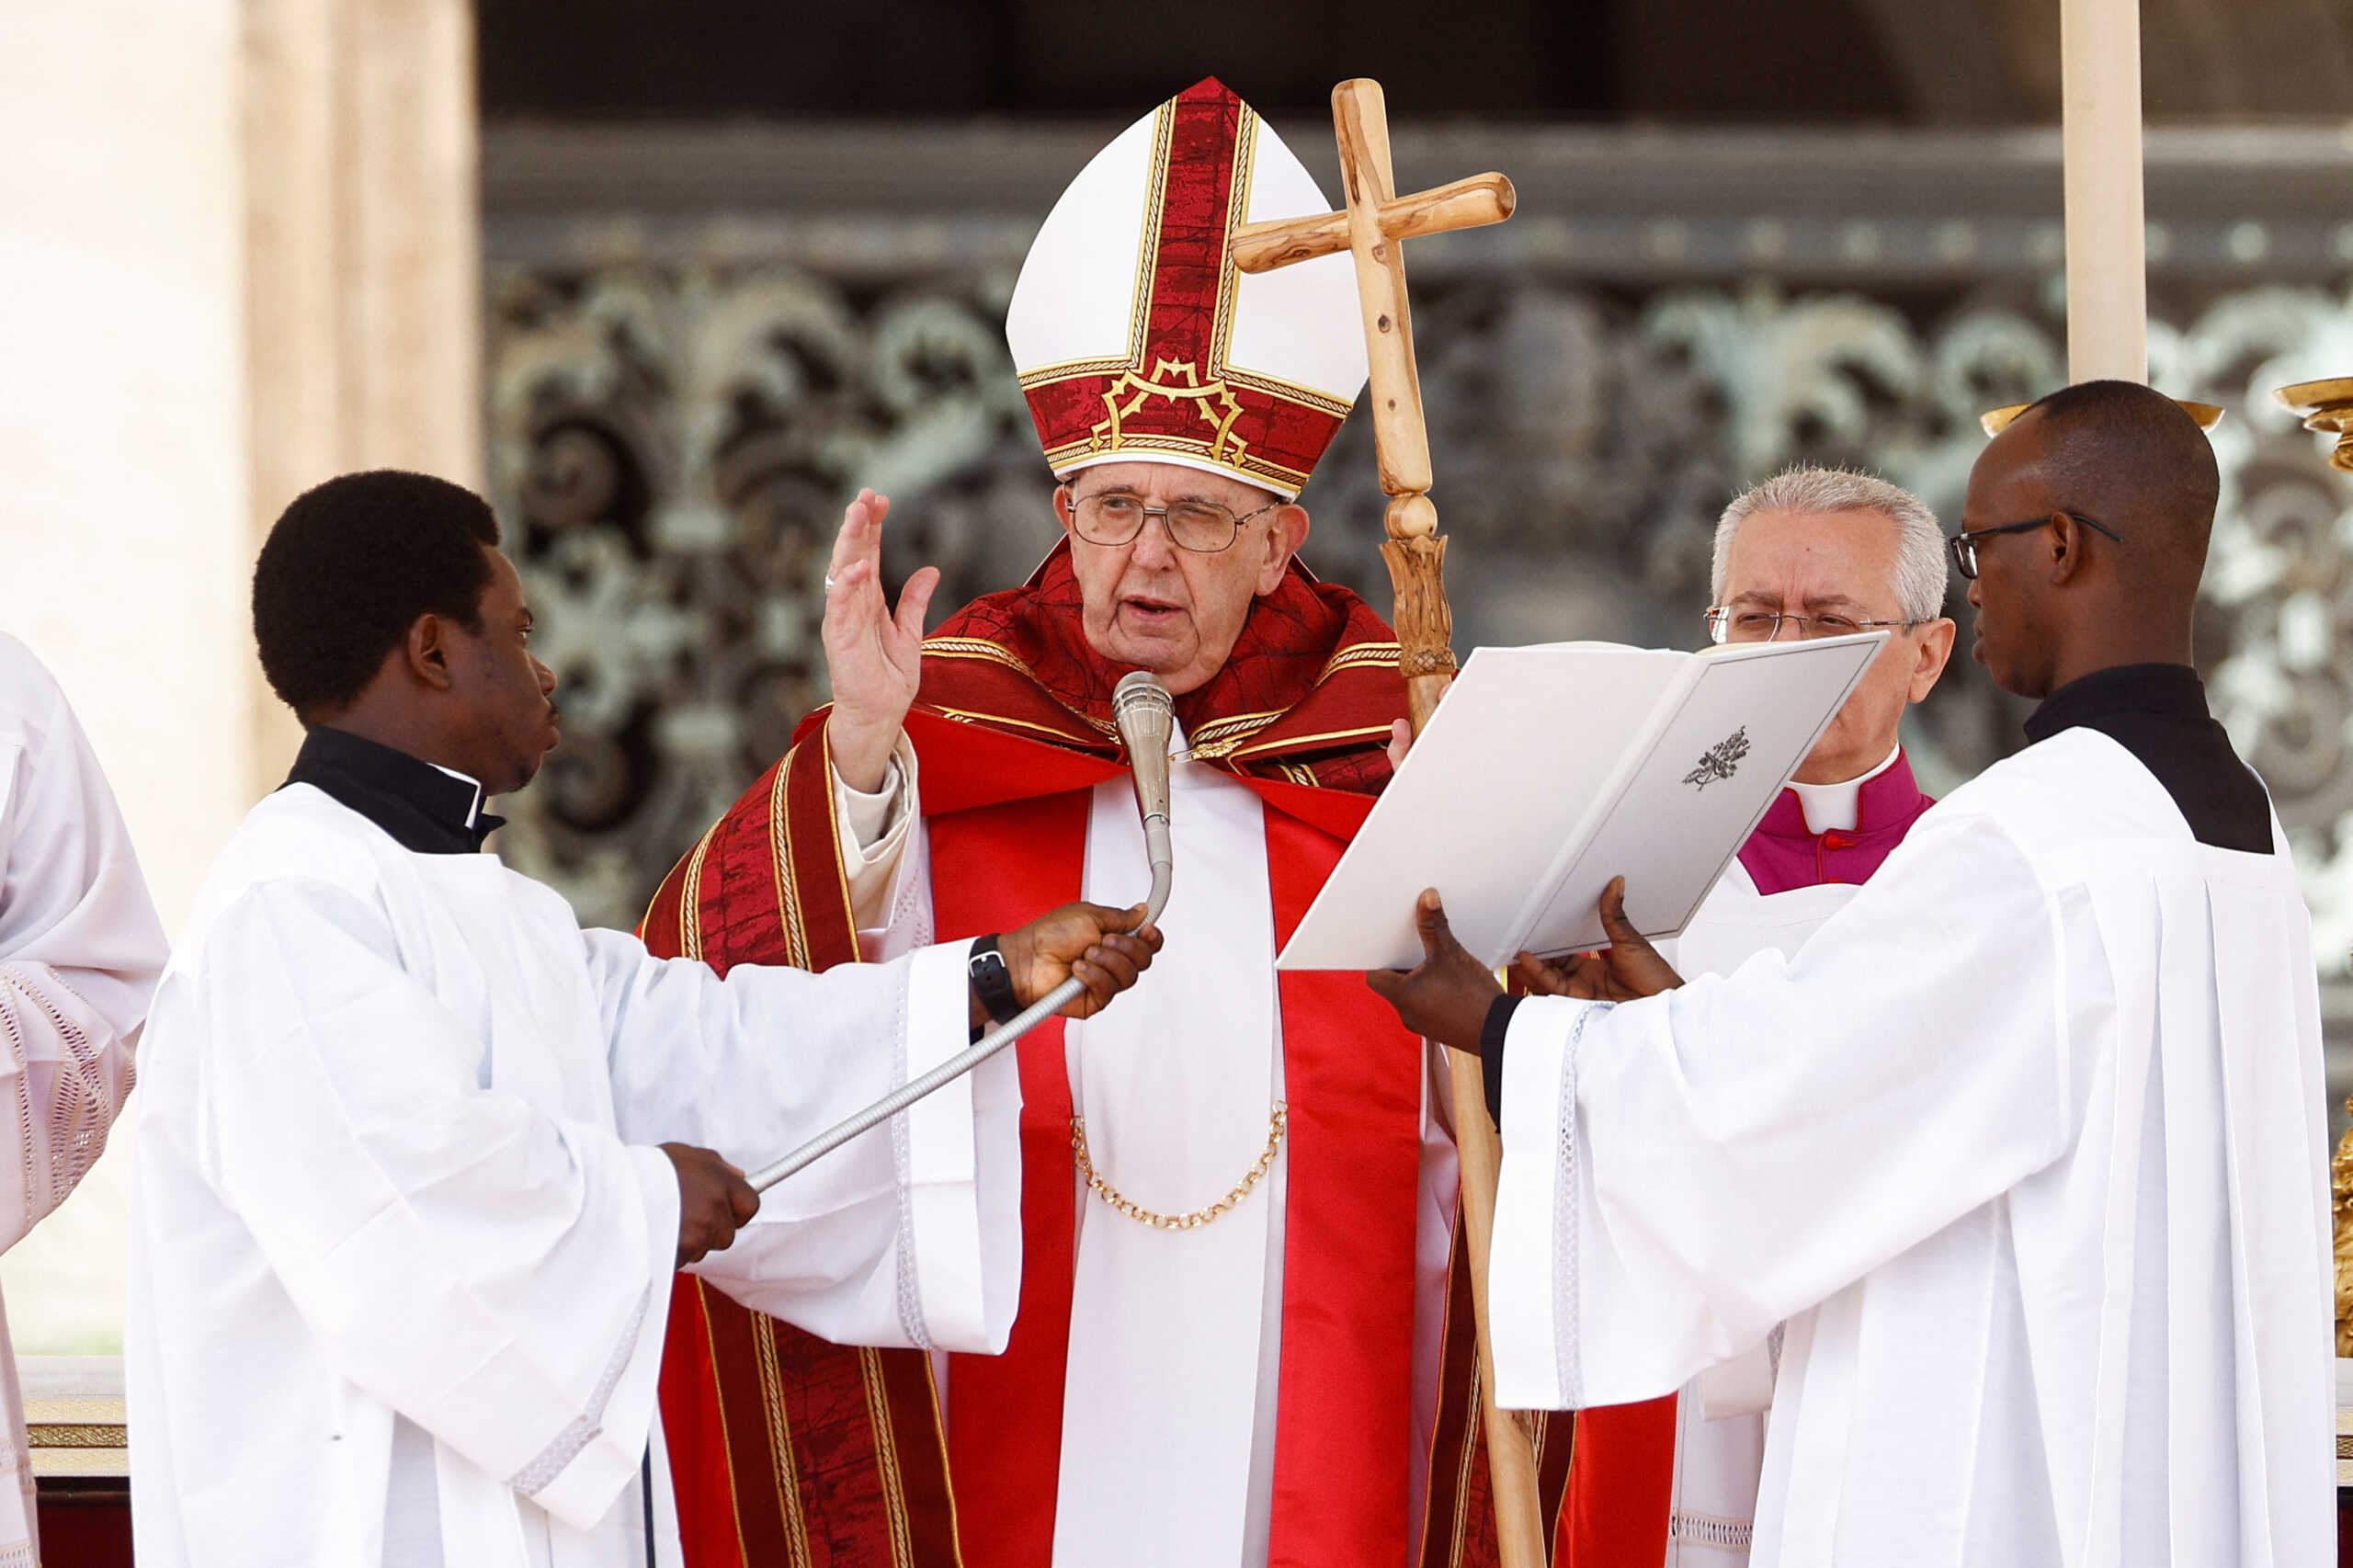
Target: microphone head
[(1141, 686), (1145, 715)]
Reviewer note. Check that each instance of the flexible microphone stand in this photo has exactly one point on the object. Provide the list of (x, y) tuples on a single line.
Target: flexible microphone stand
[(1145, 715)]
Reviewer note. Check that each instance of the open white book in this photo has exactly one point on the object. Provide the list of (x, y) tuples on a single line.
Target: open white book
[(1548, 770)]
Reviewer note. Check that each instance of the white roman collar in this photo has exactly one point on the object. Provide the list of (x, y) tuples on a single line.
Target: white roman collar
[(1834, 808), (474, 813)]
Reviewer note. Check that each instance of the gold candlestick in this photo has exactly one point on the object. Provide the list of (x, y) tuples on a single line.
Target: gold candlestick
[(2340, 1186), (2325, 405), (1995, 420), (2328, 406)]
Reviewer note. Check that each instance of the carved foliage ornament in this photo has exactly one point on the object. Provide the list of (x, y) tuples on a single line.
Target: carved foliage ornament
[(671, 448)]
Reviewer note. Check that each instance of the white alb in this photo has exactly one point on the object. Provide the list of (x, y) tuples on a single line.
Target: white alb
[(80, 949), (2025, 1144), (401, 1240)]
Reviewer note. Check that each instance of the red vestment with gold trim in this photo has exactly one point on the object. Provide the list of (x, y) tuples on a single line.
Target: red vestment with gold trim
[(789, 1450)]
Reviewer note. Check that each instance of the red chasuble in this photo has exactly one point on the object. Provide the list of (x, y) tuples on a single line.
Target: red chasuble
[(789, 1451), (1621, 1488)]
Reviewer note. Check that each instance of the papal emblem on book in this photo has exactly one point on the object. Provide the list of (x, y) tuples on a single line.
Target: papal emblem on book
[(1721, 761)]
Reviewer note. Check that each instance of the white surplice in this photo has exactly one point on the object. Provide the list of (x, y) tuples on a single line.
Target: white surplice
[(2025, 1144), (1719, 1419), (402, 1244), (1167, 1456), (80, 949)]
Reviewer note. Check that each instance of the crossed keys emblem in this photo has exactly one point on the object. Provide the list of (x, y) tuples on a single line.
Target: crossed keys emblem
[(1209, 399), (1721, 761)]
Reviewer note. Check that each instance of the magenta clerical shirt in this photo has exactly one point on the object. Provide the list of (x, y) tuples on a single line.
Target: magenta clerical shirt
[(1782, 854)]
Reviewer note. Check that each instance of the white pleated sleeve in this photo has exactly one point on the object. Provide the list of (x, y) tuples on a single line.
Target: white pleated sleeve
[(907, 1235), (1683, 1172), (495, 1272), (875, 833), (80, 946), (80, 953)]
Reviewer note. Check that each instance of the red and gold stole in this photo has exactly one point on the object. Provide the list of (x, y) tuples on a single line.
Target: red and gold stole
[(789, 1450)]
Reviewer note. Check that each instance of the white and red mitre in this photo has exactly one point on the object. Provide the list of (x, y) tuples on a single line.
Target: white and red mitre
[(1136, 336)]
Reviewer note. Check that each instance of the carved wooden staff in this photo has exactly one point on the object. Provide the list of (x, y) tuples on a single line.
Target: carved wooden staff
[(1375, 219)]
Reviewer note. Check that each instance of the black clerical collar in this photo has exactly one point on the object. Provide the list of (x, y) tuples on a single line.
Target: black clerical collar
[(2158, 713), (425, 809), (2171, 691)]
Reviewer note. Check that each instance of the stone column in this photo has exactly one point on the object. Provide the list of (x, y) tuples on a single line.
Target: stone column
[(123, 498), (124, 508), (238, 254), (363, 252)]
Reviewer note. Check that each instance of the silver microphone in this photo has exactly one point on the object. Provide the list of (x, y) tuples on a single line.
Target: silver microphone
[(1147, 716)]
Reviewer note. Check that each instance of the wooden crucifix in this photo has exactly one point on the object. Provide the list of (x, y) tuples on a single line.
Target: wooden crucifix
[(1370, 229), (1375, 220)]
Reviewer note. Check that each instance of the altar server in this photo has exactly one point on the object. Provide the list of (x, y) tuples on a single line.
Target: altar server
[(2025, 1144), (1809, 552), (80, 949), (419, 1155)]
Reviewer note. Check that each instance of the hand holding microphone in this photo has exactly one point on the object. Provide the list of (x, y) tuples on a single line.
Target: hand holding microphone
[(1103, 949), (1085, 942), (1098, 951)]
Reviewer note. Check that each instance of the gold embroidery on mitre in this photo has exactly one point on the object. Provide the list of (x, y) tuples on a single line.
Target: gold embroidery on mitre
[(1238, 213), (1282, 475), (1213, 389), (1155, 194), (1224, 445)]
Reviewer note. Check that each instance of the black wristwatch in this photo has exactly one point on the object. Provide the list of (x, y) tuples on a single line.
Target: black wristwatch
[(993, 983)]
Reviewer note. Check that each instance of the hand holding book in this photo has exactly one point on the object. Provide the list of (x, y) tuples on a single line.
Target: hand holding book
[(1629, 968), (1447, 996)]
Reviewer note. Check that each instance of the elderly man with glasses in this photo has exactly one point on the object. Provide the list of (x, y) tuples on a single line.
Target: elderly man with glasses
[(1236, 1202), (1815, 552)]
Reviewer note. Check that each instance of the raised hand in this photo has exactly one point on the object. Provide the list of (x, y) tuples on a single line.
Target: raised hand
[(1105, 948), (873, 654), (715, 1201), (1630, 968), (1446, 998)]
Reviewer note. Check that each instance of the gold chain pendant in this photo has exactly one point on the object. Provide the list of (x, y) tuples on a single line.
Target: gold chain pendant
[(1277, 1122)]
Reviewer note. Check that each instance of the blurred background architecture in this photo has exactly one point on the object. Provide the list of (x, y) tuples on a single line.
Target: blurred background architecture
[(674, 282)]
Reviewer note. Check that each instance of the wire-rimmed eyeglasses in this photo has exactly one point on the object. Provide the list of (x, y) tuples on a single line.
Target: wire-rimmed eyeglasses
[(1742, 623), (1964, 545), (1116, 517)]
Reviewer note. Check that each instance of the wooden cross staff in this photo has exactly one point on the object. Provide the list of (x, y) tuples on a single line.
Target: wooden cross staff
[(1375, 219)]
